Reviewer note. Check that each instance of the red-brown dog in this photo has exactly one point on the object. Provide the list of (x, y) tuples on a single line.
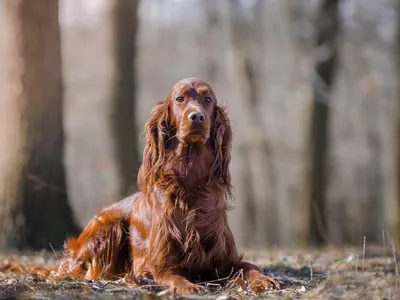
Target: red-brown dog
[(175, 230)]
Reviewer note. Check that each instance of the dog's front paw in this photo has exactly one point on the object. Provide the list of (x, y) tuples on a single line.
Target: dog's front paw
[(188, 288), (259, 282)]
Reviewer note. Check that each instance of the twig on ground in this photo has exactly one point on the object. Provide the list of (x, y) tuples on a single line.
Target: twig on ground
[(384, 242), (311, 271), (395, 261), (357, 265), (363, 258)]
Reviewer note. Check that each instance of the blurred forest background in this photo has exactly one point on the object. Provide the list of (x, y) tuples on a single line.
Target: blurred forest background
[(312, 87)]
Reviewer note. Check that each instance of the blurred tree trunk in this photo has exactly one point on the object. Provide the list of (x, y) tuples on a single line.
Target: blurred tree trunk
[(397, 130), (33, 198), (326, 63), (213, 22), (253, 186), (271, 68), (101, 150), (124, 22), (361, 197)]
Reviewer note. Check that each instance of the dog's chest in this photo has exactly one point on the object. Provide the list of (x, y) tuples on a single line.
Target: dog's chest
[(203, 241)]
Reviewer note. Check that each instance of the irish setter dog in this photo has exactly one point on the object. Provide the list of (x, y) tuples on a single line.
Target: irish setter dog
[(175, 230)]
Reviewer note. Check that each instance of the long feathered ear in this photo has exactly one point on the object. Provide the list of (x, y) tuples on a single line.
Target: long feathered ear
[(157, 130), (221, 134)]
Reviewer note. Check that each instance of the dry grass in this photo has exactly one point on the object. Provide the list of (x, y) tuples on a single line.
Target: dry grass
[(330, 273)]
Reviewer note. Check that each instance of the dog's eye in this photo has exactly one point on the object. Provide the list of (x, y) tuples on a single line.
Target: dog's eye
[(207, 99), (180, 99)]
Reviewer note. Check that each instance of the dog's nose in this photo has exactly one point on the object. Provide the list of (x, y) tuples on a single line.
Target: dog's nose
[(197, 117)]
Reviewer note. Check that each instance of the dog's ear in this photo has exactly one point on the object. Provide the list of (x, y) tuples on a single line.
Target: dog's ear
[(221, 134), (157, 132)]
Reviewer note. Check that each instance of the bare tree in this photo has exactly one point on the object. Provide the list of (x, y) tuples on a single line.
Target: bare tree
[(397, 130), (253, 186), (124, 22), (213, 22), (361, 197), (271, 66), (327, 54), (101, 151), (33, 198)]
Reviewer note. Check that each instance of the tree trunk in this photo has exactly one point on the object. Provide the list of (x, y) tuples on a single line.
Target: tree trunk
[(397, 129), (124, 21), (101, 150), (326, 49), (33, 198), (253, 180), (211, 36), (271, 69), (361, 198)]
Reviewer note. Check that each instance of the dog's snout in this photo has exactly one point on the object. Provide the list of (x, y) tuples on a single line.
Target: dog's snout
[(197, 117)]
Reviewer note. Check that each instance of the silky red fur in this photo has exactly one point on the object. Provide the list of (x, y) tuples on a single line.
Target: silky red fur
[(175, 230)]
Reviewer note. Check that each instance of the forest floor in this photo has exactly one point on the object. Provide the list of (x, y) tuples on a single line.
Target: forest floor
[(328, 273)]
